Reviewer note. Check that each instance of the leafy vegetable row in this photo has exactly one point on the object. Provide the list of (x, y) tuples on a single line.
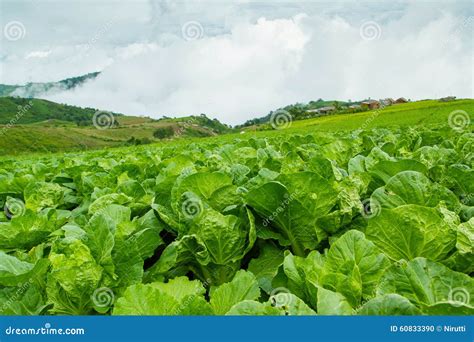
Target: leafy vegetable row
[(371, 222)]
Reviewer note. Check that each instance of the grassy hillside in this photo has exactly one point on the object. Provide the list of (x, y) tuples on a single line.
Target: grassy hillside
[(430, 113), (58, 136), (32, 125), (407, 114), (18, 110)]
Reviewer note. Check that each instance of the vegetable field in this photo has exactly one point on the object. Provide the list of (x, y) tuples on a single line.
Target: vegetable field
[(372, 221)]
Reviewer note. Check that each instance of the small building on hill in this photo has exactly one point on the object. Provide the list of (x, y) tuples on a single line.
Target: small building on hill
[(322, 110), (401, 100), (326, 110), (387, 102), (370, 104)]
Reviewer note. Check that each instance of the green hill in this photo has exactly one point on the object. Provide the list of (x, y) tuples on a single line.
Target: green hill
[(52, 127), (300, 111), (18, 111), (33, 125)]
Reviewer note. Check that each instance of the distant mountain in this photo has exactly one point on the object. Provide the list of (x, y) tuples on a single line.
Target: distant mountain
[(31, 90)]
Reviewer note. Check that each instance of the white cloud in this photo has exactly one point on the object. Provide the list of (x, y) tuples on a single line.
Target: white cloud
[(38, 54), (257, 57)]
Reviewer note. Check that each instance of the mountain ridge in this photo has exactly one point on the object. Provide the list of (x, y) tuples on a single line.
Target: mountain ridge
[(39, 89)]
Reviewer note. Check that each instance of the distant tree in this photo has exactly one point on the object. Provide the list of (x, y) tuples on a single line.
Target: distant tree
[(164, 132), (296, 111)]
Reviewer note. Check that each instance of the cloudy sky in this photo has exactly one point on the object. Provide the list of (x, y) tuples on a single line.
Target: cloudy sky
[(236, 60)]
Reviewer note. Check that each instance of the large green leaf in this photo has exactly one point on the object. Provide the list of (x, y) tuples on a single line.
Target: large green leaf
[(426, 283), (265, 267), (15, 272), (389, 305), (145, 300), (74, 277), (293, 215), (28, 230), (253, 308), (303, 276), (465, 237), (411, 231), (332, 303), (353, 267), (40, 195), (385, 169), (25, 299), (244, 286), (411, 187), (227, 237)]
